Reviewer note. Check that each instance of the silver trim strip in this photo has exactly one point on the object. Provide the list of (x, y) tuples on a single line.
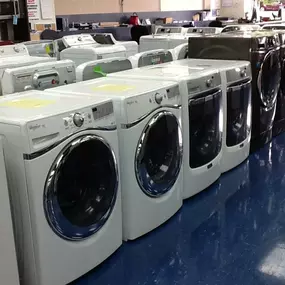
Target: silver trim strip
[(130, 125), (31, 156)]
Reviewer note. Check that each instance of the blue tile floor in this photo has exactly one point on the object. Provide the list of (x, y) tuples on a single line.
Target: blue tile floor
[(232, 233)]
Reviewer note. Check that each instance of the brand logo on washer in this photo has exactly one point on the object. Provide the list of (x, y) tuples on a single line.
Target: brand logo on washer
[(36, 126), (132, 102)]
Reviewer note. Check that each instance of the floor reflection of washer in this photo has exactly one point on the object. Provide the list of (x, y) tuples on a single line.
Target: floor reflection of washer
[(279, 121), (263, 51), (150, 147), (236, 81), (202, 119), (62, 170)]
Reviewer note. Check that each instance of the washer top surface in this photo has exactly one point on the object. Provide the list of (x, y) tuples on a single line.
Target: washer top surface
[(115, 87), (32, 105), (168, 71)]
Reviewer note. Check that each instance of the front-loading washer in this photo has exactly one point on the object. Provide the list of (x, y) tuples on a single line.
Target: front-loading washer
[(262, 49), (100, 68), (61, 157), (152, 57), (38, 76), (236, 87), (279, 120), (202, 119), (150, 142)]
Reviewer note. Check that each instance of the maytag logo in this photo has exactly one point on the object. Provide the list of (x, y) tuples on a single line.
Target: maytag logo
[(35, 127)]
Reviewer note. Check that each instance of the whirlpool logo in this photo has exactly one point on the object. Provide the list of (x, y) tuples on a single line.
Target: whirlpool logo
[(36, 126)]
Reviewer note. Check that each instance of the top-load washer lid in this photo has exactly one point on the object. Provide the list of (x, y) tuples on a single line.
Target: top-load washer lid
[(100, 68), (152, 57), (13, 50), (78, 40)]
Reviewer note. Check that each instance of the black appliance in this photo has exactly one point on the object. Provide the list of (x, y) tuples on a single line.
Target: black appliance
[(263, 51)]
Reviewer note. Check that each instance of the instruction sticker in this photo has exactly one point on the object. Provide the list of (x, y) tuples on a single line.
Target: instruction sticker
[(113, 88), (28, 103)]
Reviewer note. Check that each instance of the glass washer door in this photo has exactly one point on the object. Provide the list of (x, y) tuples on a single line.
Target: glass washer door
[(206, 126), (269, 76), (238, 113), (81, 188), (159, 155)]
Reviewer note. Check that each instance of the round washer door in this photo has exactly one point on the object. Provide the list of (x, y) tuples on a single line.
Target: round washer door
[(159, 154), (81, 188), (269, 78)]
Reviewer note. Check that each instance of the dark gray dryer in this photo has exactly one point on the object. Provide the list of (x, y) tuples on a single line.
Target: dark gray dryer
[(262, 49)]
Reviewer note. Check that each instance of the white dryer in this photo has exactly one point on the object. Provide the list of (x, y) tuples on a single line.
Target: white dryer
[(151, 57), (202, 119), (150, 147), (100, 68), (236, 83), (61, 158), (39, 76), (204, 30), (108, 38), (17, 56)]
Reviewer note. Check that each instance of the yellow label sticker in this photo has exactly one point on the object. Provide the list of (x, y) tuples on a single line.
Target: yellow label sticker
[(113, 88), (28, 103), (48, 49)]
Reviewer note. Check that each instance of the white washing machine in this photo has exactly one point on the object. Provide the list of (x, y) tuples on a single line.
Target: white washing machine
[(202, 119), (17, 56), (162, 41), (38, 76), (151, 57), (204, 30), (150, 147), (180, 52), (100, 68), (108, 38), (8, 260), (61, 157), (236, 83)]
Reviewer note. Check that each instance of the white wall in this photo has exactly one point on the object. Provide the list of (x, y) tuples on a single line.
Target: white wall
[(180, 5)]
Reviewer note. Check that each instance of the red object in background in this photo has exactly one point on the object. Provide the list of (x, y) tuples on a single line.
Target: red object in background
[(134, 20), (6, 43)]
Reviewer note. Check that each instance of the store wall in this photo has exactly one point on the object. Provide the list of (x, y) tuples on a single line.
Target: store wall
[(73, 7)]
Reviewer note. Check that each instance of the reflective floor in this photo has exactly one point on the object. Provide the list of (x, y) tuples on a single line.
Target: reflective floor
[(233, 233)]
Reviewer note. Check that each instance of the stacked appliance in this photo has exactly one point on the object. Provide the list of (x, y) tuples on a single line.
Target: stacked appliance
[(279, 120), (236, 87), (38, 76), (83, 48), (17, 56), (63, 177), (152, 57), (150, 140), (202, 119), (100, 68), (108, 38), (263, 51)]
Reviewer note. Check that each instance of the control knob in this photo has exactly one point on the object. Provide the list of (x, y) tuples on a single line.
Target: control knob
[(78, 119), (209, 82), (158, 98), (242, 73)]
